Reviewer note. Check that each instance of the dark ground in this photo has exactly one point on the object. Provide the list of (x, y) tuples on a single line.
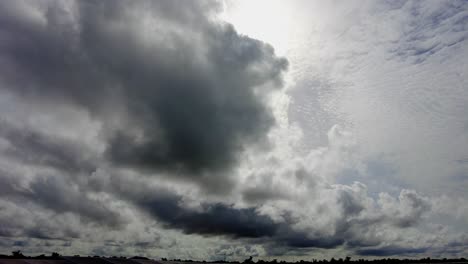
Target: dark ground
[(18, 258)]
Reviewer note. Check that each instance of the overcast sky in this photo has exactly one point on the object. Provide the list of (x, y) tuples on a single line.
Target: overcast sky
[(222, 130)]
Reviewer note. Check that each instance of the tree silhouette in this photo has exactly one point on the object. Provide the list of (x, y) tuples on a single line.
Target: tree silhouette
[(17, 254), (249, 260)]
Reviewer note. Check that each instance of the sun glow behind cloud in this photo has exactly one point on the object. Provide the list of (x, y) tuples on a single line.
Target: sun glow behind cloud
[(271, 21)]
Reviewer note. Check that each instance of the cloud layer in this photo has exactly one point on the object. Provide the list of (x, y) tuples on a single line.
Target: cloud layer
[(155, 128)]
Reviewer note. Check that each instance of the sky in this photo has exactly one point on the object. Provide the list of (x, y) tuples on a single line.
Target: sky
[(220, 130)]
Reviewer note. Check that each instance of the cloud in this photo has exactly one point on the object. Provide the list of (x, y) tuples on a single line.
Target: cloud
[(59, 195), (390, 251), (324, 216), (153, 128), (214, 219), (408, 210), (39, 149), (176, 91), (226, 220), (30, 222), (206, 218), (393, 70), (422, 39), (62, 196)]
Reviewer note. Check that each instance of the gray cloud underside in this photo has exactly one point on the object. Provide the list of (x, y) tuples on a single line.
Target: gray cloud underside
[(185, 94), (36, 148), (222, 219)]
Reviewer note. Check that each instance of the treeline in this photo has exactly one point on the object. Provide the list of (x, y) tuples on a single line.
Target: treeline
[(333, 260), (19, 255)]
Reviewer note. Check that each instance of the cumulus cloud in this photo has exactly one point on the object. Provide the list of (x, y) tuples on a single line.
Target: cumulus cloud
[(175, 90)]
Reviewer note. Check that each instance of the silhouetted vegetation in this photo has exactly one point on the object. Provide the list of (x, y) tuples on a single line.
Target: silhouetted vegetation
[(249, 260), (138, 257), (334, 261), (19, 255)]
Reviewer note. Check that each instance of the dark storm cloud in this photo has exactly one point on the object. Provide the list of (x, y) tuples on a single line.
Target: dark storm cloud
[(30, 221), (210, 219), (42, 231), (35, 148), (218, 219), (187, 91), (213, 219), (258, 195), (353, 227), (59, 195)]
